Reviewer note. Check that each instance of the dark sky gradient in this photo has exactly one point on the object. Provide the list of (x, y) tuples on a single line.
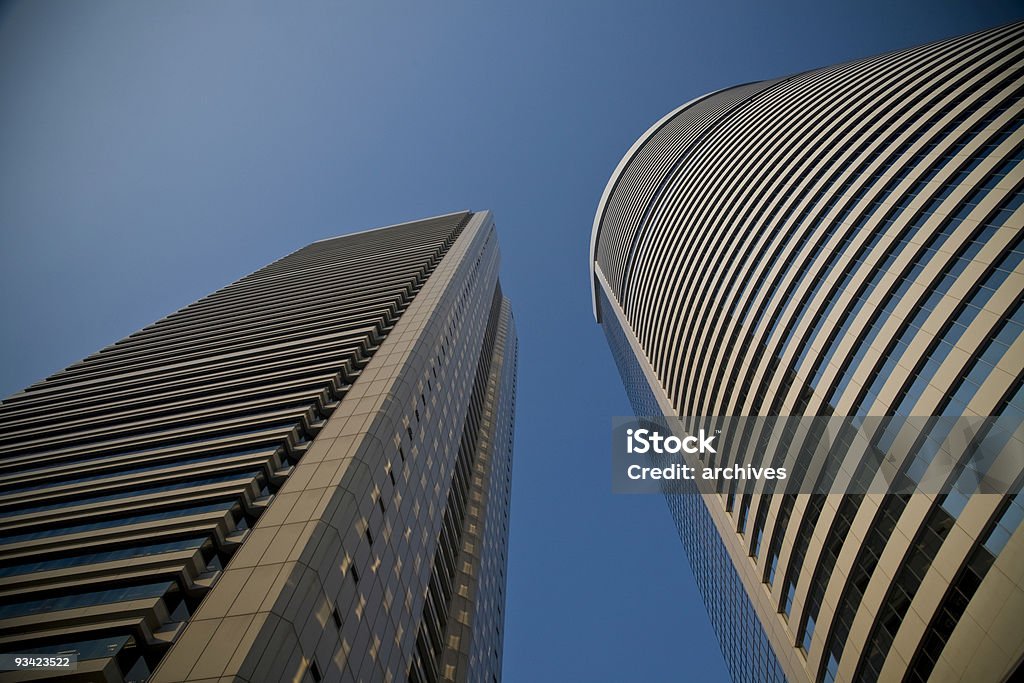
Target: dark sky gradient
[(151, 153)]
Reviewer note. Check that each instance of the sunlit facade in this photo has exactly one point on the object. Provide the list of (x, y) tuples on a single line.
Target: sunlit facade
[(844, 241)]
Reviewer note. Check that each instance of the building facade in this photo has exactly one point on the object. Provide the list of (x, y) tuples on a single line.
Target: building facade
[(303, 476), (842, 242)]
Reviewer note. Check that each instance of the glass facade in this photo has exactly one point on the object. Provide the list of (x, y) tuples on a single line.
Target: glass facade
[(747, 652)]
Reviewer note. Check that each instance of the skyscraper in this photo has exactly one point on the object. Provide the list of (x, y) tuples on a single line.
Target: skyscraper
[(845, 241), (303, 476)]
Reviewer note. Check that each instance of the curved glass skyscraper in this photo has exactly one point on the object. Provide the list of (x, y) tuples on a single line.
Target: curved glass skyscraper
[(845, 241)]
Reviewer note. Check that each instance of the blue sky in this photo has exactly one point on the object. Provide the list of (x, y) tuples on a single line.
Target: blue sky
[(151, 153)]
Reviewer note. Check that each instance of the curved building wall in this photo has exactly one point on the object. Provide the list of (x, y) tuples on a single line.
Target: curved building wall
[(844, 241)]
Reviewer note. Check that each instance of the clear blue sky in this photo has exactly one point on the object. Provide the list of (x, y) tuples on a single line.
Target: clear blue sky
[(151, 153)]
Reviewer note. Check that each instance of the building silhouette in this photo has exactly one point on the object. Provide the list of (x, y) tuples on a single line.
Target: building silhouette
[(302, 476), (841, 242)]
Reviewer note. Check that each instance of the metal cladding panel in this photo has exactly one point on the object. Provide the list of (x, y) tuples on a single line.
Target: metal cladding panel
[(847, 241), (628, 197)]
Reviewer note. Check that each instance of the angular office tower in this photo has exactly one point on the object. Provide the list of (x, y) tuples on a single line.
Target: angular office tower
[(303, 476), (845, 241)]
